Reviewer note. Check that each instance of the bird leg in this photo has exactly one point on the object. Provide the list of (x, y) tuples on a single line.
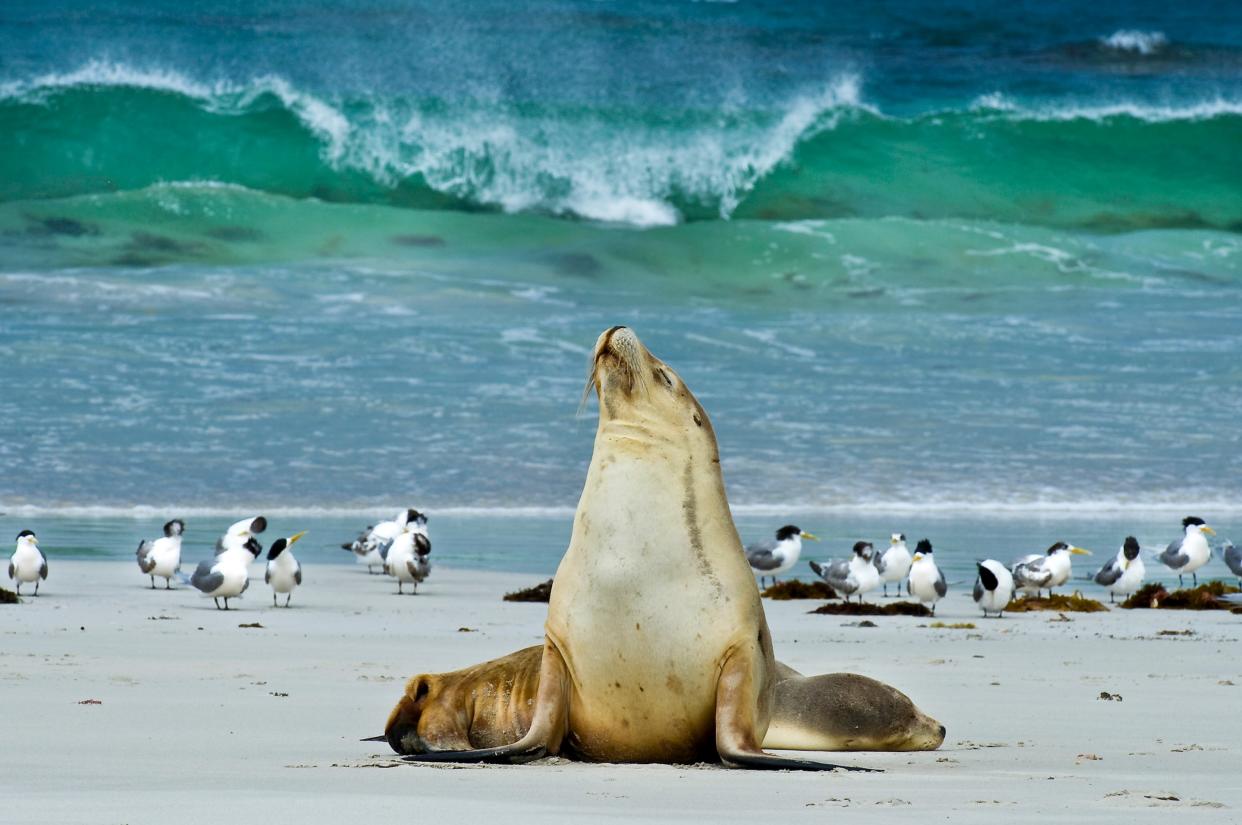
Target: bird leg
[(36, 588), (168, 584), (288, 597), (217, 601), (400, 584), (274, 599), (152, 581)]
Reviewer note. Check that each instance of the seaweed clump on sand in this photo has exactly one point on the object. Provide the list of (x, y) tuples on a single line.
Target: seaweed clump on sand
[(867, 609), (8, 597), (1076, 603), (1204, 597), (794, 589), (538, 593)]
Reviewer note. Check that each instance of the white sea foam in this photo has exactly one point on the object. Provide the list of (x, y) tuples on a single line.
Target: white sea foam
[(1132, 40), (1205, 109)]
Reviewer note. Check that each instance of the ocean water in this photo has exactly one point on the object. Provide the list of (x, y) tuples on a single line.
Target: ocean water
[(959, 261)]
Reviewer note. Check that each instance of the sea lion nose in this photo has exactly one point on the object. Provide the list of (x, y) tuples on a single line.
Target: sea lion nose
[(942, 733)]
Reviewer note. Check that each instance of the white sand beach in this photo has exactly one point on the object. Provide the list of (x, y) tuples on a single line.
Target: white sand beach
[(200, 720)]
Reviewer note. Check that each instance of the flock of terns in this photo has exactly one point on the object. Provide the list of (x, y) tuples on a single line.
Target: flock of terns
[(401, 547), (996, 585)]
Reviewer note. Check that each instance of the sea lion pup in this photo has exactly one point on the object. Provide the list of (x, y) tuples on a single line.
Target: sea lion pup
[(491, 704), (656, 648)]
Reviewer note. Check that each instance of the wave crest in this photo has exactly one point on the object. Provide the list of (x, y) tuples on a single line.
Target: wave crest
[(1135, 41)]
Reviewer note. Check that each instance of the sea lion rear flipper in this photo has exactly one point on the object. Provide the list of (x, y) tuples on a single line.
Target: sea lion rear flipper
[(737, 701), (547, 729)]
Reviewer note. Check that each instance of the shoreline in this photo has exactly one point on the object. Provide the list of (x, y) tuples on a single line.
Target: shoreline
[(195, 709)]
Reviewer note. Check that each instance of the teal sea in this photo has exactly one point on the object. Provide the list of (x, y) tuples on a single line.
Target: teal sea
[(946, 267)]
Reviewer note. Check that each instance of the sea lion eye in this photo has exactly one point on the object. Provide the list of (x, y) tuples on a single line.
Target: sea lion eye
[(668, 382), (698, 422)]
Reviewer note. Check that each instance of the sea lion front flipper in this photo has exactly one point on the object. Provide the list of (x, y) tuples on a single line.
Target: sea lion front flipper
[(547, 728), (737, 703)]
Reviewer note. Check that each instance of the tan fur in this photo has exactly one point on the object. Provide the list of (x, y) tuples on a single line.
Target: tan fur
[(656, 646), (491, 704)]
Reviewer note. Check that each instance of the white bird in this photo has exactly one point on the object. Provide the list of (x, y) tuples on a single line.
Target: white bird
[(926, 583), (894, 563), (162, 557), (1191, 551), (228, 575), (1034, 573), (853, 577), (407, 559), (773, 557), (993, 588), (372, 544), (28, 564), (284, 572), (1124, 572), (240, 539)]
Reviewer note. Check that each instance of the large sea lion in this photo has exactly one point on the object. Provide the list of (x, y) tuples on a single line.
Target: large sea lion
[(491, 704), (656, 648)]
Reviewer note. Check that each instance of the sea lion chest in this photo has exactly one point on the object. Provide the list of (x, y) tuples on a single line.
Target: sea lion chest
[(652, 594)]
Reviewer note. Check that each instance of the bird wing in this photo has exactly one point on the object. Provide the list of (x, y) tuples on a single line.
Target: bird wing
[(836, 574), (978, 592), (1109, 573), (297, 573), (146, 563), (1173, 555), (42, 565), (205, 579), (941, 586), (879, 562), (220, 545), (383, 548), (12, 570), (267, 573), (1233, 558), (761, 555), (1031, 570)]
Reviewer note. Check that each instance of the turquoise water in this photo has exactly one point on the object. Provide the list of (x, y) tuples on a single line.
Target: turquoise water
[(969, 263)]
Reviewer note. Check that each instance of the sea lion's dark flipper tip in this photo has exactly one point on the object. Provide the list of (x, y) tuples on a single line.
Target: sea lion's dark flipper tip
[(380, 738), (487, 756), (766, 761)]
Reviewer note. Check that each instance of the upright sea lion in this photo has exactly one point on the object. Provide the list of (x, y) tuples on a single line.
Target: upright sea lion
[(491, 705), (656, 648)]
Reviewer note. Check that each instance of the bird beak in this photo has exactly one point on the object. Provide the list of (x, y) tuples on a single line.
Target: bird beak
[(244, 534), (34, 539), (918, 556), (1125, 564), (1208, 530), (810, 536), (1078, 551), (294, 538)]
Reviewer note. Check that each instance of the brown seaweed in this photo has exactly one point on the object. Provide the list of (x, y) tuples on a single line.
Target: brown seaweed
[(538, 593), (868, 609), (794, 589), (1076, 603), (1204, 597)]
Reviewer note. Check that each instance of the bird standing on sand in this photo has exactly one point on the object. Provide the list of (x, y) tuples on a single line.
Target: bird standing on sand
[(1191, 551), (855, 576), (894, 563), (372, 544), (228, 575), (162, 557), (994, 587), (926, 583), (284, 572), (773, 557), (1034, 573), (408, 559), (1233, 559), (240, 539), (27, 564), (1124, 572)]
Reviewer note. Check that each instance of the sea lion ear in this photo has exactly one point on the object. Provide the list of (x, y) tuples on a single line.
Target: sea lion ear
[(418, 692)]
